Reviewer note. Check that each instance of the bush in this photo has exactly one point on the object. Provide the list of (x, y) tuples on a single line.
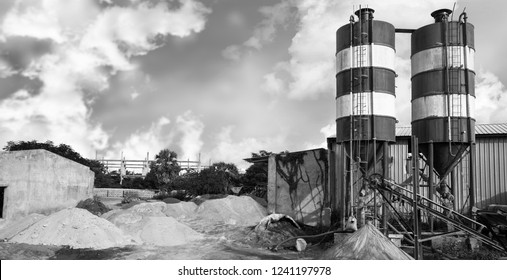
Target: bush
[(93, 205)]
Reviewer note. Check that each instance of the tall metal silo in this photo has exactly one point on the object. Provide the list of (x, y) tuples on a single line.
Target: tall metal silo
[(365, 102), (443, 89)]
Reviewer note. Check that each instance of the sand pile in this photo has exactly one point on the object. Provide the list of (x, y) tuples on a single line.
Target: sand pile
[(180, 210), (147, 223), (368, 243), (73, 227), (132, 220), (232, 210), (166, 231), (11, 228)]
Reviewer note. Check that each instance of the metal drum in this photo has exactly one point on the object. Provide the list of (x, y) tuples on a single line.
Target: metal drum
[(365, 98), (443, 88)]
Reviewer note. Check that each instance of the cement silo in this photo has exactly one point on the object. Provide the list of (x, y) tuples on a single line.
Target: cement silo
[(443, 95), (365, 102)]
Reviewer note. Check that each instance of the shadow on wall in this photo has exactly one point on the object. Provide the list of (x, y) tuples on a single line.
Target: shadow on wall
[(500, 198), (301, 187)]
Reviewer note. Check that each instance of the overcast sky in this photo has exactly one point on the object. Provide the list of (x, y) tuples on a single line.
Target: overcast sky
[(222, 78)]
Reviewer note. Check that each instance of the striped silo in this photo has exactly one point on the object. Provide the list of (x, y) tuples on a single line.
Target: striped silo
[(365, 97), (443, 82), (365, 106)]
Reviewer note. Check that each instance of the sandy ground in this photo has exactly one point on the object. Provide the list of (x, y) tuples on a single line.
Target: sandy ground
[(205, 236)]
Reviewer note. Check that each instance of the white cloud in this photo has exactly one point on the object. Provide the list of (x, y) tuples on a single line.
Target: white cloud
[(191, 128), (157, 137), (491, 99), (273, 85), (234, 151), (89, 45), (186, 133), (275, 16), (134, 95)]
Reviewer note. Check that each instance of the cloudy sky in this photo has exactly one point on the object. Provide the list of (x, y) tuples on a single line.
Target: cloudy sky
[(222, 78)]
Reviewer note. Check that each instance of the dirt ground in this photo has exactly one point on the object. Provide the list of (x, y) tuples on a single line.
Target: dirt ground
[(222, 241)]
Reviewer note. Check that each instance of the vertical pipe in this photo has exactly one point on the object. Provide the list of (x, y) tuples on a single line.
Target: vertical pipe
[(370, 73), (374, 191), (453, 186), (385, 164), (471, 163), (430, 180), (343, 185), (416, 216), (351, 137)]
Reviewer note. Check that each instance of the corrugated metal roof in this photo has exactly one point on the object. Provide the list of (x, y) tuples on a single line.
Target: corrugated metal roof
[(403, 130), (480, 129), (495, 128)]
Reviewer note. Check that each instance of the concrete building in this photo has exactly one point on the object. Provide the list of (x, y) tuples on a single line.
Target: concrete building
[(298, 185), (38, 181)]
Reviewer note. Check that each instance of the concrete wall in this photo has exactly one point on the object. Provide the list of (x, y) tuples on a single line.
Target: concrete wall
[(39, 181), (109, 192), (298, 186)]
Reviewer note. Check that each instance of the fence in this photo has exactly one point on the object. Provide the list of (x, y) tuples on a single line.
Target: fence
[(121, 192)]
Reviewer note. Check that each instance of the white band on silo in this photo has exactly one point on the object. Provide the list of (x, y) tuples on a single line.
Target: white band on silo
[(436, 106), (383, 57), (431, 59), (383, 104)]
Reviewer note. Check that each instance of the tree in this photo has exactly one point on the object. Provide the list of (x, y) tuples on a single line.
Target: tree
[(165, 167), (255, 179), (216, 179), (262, 153)]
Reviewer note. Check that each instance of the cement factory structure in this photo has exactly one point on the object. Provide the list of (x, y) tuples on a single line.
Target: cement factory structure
[(434, 175), (436, 178), (442, 140)]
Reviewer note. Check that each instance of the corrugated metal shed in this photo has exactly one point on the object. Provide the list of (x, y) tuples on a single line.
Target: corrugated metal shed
[(490, 167)]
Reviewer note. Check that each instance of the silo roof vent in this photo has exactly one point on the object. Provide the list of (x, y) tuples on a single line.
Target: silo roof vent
[(441, 15), (365, 14)]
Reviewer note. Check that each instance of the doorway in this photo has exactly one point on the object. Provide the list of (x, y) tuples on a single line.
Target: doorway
[(2, 193)]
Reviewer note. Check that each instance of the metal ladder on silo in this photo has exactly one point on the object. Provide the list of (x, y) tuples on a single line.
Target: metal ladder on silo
[(454, 64)]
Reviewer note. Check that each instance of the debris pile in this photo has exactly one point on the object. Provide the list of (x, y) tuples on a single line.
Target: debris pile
[(73, 227), (232, 210), (94, 206), (277, 228), (368, 243)]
